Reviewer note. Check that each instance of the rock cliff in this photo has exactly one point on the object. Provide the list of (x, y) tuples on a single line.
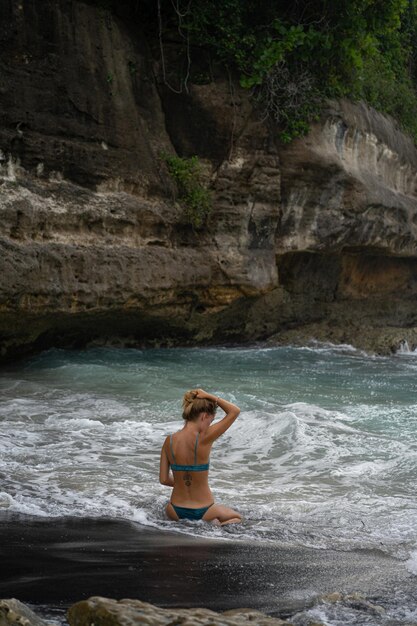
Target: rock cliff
[(316, 239)]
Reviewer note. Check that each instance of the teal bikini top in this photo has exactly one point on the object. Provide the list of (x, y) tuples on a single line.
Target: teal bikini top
[(188, 468)]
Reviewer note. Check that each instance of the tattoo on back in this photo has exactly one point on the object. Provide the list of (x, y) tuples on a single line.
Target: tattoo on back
[(187, 478)]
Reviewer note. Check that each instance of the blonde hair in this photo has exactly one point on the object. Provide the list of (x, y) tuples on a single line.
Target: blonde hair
[(193, 406)]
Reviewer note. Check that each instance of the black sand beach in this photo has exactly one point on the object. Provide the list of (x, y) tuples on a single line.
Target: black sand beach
[(56, 562)]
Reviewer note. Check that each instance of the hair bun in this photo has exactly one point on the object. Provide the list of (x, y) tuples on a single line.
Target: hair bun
[(192, 405), (190, 396)]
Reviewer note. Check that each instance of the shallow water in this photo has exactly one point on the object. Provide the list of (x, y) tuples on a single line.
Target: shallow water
[(323, 453)]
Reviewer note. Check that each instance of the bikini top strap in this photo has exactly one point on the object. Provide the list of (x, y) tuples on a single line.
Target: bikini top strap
[(172, 451), (195, 449)]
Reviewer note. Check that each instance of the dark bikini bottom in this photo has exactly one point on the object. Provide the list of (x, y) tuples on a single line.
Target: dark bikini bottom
[(194, 514)]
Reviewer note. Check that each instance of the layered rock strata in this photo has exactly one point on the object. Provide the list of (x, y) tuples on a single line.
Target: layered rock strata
[(312, 240)]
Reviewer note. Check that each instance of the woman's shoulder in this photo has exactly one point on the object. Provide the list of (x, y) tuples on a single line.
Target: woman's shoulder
[(171, 435)]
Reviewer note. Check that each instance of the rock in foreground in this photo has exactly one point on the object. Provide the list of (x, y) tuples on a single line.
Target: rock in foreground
[(15, 613), (108, 612)]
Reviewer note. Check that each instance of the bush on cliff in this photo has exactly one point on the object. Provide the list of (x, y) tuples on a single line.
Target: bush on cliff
[(294, 55), (194, 196)]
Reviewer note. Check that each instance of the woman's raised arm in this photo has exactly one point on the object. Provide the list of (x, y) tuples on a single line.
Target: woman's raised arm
[(231, 410)]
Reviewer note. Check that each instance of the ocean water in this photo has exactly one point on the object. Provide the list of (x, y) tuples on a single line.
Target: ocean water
[(324, 453)]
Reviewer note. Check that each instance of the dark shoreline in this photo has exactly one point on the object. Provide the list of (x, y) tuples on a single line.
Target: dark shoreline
[(55, 562), (292, 338)]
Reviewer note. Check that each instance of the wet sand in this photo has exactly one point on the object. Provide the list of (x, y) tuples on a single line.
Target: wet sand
[(56, 562)]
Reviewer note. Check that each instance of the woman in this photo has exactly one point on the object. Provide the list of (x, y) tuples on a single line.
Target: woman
[(187, 453)]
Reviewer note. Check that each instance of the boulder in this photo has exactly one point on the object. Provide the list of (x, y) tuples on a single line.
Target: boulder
[(15, 613), (107, 612)]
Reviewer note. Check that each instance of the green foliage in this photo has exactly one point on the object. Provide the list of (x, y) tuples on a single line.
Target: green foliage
[(194, 196), (391, 93), (293, 55)]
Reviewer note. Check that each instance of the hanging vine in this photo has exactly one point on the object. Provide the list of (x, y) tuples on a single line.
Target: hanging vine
[(186, 37)]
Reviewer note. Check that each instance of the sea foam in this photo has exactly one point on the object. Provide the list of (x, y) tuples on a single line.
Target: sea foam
[(323, 453)]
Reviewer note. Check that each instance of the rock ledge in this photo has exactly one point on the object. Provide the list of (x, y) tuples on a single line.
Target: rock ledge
[(107, 612)]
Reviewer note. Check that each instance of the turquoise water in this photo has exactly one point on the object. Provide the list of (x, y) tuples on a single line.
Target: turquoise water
[(323, 454)]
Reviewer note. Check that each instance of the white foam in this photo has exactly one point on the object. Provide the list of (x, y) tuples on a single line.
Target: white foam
[(411, 563), (73, 424), (308, 461), (6, 500), (405, 350)]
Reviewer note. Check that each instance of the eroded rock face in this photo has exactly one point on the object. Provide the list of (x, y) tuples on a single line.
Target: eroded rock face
[(350, 184), (306, 240), (78, 96)]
